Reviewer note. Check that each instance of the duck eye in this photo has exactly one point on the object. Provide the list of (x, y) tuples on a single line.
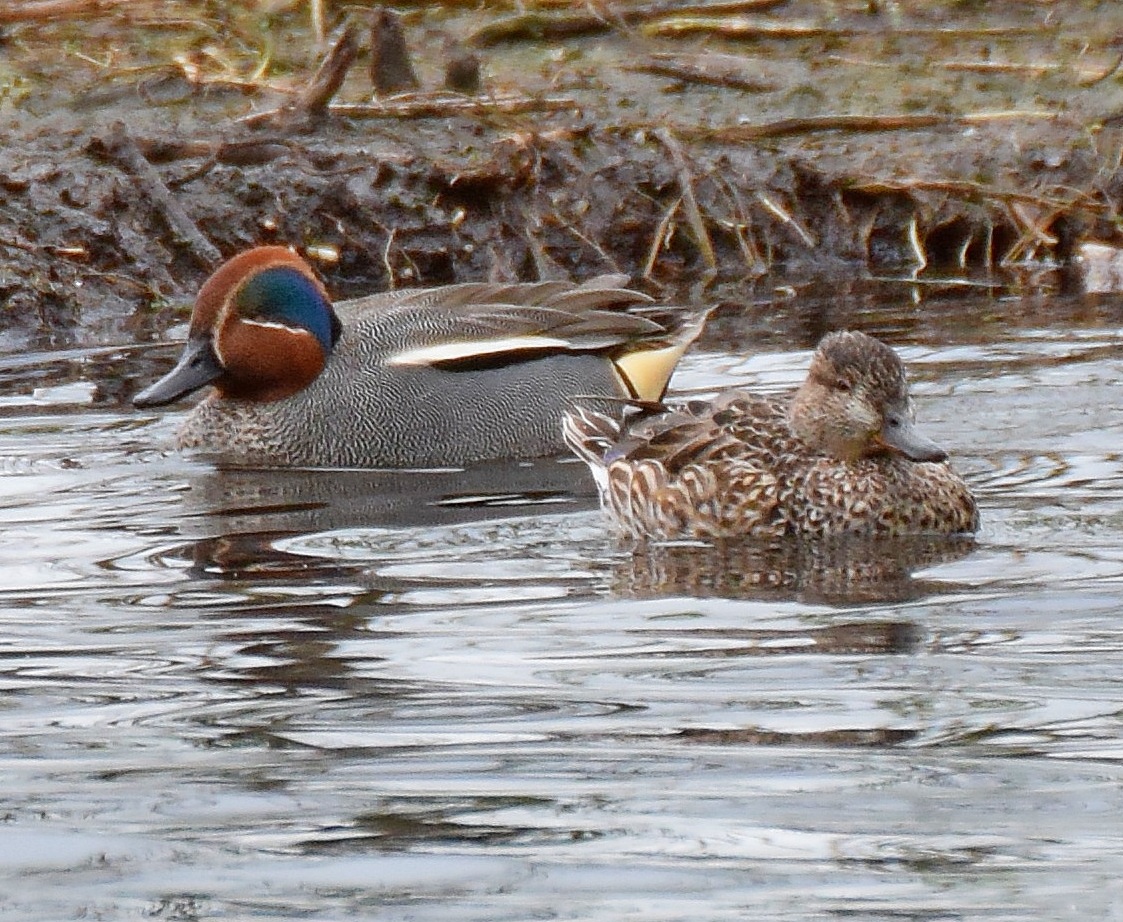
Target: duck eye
[(843, 386)]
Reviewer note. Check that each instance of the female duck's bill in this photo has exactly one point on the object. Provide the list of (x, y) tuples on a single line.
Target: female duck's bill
[(415, 378), (841, 455)]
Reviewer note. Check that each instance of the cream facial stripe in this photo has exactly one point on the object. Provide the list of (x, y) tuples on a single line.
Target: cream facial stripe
[(264, 325)]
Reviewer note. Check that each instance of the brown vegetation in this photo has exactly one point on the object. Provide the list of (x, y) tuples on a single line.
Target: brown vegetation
[(718, 143)]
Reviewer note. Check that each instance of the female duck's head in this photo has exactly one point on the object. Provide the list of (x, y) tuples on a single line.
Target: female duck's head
[(855, 403), (261, 330)]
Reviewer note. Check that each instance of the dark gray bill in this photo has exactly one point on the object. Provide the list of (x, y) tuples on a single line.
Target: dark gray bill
[(197, 366), (900, 434)]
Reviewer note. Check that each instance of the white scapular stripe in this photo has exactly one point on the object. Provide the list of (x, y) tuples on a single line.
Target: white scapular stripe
[(461, 351)]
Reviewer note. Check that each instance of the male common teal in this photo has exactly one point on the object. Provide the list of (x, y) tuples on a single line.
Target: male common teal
[(841, 455), (413, 378)]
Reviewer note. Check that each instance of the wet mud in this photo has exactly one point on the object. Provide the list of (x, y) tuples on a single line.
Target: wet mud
[(724, 147)]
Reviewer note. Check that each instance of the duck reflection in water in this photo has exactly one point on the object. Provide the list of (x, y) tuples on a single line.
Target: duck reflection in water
[(240, 519), (840, 571), (244, 523)]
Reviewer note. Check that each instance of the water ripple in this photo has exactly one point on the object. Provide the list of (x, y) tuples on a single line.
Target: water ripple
[(455, 695)]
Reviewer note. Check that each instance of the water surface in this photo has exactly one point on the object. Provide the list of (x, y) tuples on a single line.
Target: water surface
[(229, 694)]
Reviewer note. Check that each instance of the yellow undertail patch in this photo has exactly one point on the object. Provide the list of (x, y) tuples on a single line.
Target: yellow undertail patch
[(645, 373)]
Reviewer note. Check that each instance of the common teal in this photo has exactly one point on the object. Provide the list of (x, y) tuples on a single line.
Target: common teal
[(841, 455), (414, 378)]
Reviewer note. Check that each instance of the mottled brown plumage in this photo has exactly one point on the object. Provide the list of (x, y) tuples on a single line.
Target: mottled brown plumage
[(839, 456)]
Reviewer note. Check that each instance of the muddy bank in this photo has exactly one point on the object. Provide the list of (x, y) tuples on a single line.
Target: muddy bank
[(731, 144)]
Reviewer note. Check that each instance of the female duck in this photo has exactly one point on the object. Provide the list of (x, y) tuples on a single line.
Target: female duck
[(415, 378), (840, 456)]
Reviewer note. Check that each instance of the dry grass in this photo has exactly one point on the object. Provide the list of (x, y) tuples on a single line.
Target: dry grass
[(672, 141)]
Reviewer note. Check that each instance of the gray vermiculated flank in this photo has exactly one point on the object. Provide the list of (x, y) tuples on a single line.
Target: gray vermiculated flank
[(361, 412)]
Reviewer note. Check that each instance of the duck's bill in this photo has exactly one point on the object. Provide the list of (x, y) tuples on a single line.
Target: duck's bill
[(901, 436), (197, 367)]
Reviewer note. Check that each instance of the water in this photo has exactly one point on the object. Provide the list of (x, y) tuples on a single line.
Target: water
[(312, 696)]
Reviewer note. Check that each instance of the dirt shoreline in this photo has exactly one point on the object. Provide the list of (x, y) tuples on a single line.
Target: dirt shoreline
[(731, 150)]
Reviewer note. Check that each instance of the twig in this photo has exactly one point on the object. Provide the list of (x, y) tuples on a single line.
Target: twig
[(316, 10), (861, 124), (706, 69), (741, 226), (917, 246), (591, 244), (330, 74), (754, 29), (444, 106), (430, 105), (313, 101), (1000, 67), (785, 217), (53, 9), (659, 239), (236, 153), (1085, 77), (123, 150), (967, 189), (1099, 78), (690, 203), (1034, 227), (744, 29), (540, 26)]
